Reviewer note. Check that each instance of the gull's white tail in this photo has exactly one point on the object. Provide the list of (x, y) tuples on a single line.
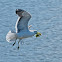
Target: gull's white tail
[(11, 36)]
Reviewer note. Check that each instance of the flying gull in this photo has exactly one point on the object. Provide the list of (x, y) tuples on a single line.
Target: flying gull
[(22, 28)]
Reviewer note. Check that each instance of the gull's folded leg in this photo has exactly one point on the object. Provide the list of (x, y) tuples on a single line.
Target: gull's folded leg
[(22, 42), (14, 43)]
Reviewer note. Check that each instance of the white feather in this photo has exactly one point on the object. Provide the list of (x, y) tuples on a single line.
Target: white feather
[(11, 36)]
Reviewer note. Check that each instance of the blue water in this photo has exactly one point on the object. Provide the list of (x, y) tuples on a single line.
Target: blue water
[(46, 18)]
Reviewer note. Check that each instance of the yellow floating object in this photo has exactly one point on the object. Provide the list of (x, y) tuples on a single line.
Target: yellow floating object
[(38, 34)]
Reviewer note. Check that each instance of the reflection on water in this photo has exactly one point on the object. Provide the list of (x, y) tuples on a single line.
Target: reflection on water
[(46, 18)]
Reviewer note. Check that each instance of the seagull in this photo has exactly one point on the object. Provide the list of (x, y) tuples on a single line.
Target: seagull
[(22, 28)]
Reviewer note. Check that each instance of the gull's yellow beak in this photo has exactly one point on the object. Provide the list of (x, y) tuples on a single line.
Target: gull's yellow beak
[(38, 34)]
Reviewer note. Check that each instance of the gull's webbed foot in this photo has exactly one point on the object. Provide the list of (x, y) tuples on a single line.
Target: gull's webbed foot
[(14, 43), (18, 43), (18, 47)]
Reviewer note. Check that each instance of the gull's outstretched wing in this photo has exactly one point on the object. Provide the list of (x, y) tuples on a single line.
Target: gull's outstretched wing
[(22, 22)]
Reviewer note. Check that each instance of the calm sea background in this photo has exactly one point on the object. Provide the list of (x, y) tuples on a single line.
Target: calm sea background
[(46, 18)]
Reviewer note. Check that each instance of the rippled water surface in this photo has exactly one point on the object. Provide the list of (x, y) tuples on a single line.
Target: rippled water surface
[(46, 18)]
